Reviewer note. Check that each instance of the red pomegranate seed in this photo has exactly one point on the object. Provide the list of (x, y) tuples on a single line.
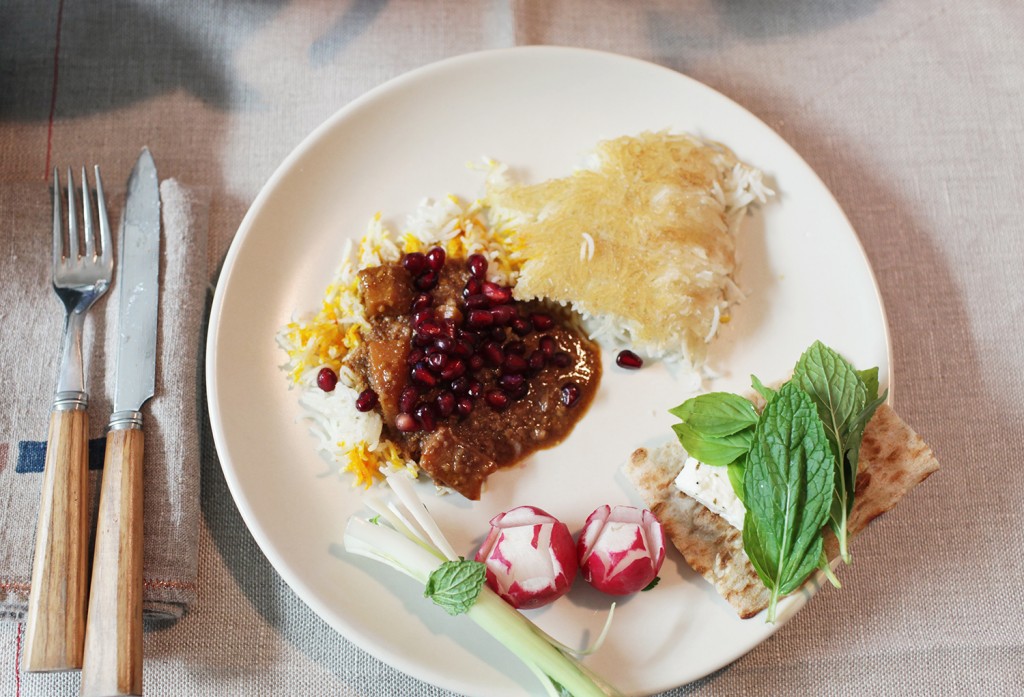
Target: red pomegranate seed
[(503, 314), (414, 357), (326, 379), (537, 361), (497, 333), (521, 326), (514, 363), (570, 394), (512, 382), (421, 374), (435, 258), (628, 359), (541, 322), (407, 400), (460, 385), (425, 415), (472, 288), (437, 362), (547, 346), (479, 319), (422, 301), (421, 340), (445, 404), (475, 389), (421, 316), (477, 301), (516, 347), (464, 406), (366, 400), (414, 262), (476, 362), (453, 369), (498, 295), (431, 329), (427, 281), (496, 400), (405, 422), (562, 359), (477, 265), (443, 344), (492, 353), (462, 349)]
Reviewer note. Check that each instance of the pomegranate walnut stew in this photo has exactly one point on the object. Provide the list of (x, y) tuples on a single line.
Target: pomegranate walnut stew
[(467, 379)]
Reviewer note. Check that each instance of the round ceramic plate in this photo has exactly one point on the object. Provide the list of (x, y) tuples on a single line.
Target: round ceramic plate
[(541, 110)]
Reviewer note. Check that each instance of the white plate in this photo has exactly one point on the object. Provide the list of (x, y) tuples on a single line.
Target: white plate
[(540, 110)]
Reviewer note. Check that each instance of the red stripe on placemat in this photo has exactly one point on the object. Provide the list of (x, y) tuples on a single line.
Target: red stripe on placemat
[(53, 93), (17, 663)]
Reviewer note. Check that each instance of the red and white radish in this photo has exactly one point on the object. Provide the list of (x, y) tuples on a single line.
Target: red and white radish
[(620, 549), (530, 557)]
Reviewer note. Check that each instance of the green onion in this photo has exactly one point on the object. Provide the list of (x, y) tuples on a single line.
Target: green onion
[(403, 535)]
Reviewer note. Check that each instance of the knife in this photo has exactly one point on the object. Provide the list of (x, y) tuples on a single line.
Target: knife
[(112, 663)]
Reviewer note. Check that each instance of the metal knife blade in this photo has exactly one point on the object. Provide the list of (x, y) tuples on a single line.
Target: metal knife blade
[(138, 290)]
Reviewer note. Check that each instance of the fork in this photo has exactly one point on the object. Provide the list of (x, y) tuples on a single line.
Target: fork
[(55, 631)]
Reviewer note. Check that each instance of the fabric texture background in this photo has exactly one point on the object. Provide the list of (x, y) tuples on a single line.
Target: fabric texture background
[(909, 111)]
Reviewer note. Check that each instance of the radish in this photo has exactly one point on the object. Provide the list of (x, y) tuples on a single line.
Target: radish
[(530, 557), (621, 549)]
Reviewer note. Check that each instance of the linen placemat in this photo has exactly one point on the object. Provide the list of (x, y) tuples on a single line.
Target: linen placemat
[(32, 321)]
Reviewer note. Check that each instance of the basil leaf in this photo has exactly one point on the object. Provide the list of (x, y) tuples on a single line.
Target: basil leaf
[(455, 585), (717, 450), (788, 484), (716, 414)]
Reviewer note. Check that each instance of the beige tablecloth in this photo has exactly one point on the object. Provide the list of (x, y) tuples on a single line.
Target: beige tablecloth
[(910, 111)]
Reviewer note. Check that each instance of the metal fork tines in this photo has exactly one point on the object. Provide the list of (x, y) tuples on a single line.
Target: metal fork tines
[(55, 631)]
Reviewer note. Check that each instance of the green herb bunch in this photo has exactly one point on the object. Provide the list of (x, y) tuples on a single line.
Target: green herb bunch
[(794, 465)]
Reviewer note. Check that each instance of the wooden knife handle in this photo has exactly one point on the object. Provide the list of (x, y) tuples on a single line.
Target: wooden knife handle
[(113, 634), (56, 603)]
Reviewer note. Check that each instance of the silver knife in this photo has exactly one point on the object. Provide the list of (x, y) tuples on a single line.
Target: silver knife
[(112, 662)]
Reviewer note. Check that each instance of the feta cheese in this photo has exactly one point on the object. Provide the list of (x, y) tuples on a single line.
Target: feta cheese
[(711, 486)]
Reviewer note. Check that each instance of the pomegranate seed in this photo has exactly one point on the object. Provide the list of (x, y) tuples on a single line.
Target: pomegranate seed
[(516, 347), (497, 334), (414, 357), (503, 314), (547, 346), (425, 415), (445, 404), (430, 328), (570, 394), (512, 382), (422, 301), (475, 389), (421, 374), (427, 281), (479, 319), (326, 379), (521, 326), (414, 262), (477, 265), (628, 359), (407, 400), (478, 301), (435, 258), (464, 406), (476, 362), (460, 385), (449, 328), (425, 315), (437, 362), (421, 341), (405, 422), (453, 369), (472, 288), (496, 400), (492, 353), (520, 391), (541, 322), (537, 361), (366, 400), (462, 349), (514, 363), (498, 295), (562, 359)]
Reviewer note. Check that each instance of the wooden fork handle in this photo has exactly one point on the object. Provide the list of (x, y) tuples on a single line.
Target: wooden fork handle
[(56, 605), (113, 635)]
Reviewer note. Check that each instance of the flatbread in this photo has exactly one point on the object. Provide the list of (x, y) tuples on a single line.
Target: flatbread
[(893, 460)]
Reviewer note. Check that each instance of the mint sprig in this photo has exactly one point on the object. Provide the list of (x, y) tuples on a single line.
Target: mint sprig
[(455, 585)]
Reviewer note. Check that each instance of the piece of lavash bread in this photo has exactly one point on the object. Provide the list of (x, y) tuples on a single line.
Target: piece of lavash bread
[(893, 459)]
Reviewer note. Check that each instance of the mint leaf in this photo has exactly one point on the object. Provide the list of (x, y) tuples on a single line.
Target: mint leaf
[(736, 472), (716, 414), (788, 489), (870, 378), (759, 387), (455, 585), (713, 450)]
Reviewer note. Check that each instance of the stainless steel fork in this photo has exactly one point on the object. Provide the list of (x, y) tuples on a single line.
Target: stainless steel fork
[(55, 629)]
